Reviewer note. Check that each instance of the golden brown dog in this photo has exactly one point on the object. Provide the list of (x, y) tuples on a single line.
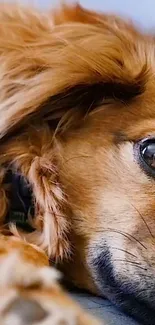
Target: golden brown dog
[(77, 121)]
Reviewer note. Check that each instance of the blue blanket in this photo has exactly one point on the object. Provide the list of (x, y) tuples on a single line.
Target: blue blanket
[(103, 309)]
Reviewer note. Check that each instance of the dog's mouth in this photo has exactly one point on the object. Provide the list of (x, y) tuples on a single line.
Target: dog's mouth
[(21, 205), (135, 293)]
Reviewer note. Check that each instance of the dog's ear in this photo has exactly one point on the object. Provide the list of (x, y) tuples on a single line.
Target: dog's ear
[(76, 13), (47, 70)]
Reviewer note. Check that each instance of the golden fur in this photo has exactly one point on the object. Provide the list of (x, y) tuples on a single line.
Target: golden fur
[(77, 91)]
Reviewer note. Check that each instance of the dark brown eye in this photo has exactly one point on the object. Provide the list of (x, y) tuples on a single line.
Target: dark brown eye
[(148, 154), (145, 154)]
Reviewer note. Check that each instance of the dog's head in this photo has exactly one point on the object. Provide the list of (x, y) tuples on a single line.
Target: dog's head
[(92, 77)]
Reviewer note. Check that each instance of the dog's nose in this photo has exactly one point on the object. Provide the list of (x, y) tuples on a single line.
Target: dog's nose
[(25, 311)]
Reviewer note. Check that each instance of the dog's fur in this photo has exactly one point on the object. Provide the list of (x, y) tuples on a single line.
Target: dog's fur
[(76, 94)]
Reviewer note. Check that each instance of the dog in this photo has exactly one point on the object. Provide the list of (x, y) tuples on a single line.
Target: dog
[(77, 141)]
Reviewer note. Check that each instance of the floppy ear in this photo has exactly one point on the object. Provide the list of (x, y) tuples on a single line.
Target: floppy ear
[(47, 69), (76, 13)]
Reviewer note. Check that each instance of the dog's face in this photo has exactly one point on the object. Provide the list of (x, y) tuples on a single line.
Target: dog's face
[(98, 74), (108, 173)]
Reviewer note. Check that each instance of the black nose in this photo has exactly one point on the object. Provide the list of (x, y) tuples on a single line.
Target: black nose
[(28, 311)]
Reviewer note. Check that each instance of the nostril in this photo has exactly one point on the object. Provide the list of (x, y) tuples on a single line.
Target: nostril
[(27, 311)]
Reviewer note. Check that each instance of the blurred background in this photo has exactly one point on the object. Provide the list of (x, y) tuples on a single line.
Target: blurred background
[(142, 11)]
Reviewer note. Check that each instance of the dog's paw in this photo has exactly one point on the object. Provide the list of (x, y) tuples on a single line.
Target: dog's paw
[(23, 311), (31, 295)]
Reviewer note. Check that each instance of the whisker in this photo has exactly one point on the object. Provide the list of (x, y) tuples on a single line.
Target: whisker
[(123, 250), (143, 221), (126, 261), (130, 262), (125, 234)]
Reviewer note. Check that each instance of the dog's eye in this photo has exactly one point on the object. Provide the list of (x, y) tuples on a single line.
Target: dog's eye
[(146, 155)]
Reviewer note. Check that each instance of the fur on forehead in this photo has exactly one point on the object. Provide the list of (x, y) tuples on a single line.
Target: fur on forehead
[(50, 64)]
